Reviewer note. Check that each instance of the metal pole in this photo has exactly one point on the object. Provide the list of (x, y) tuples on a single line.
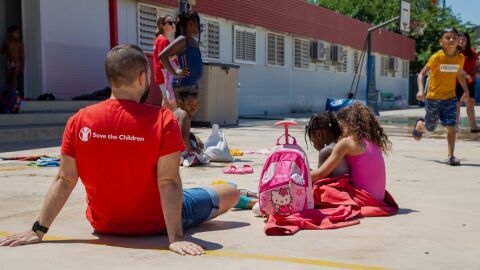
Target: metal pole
[(370, 80)]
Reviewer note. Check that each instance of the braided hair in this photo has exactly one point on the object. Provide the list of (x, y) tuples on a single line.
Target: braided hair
[(183, 19), (322, 121)]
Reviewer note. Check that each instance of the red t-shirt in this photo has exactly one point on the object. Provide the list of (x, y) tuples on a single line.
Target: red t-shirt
[(117, 144), (469, 66), (161, 43)]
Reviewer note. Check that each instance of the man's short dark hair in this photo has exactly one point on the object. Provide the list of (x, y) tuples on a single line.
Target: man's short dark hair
[(124, 63)]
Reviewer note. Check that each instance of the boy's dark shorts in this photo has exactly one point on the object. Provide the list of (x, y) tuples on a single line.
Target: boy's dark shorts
[(445, 110)]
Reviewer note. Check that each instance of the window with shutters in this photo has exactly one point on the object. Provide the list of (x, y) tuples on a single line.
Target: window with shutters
[(147, 24), (301, 53), (244, 45), (405, 69), (210, 39), (384, 66), (341, 65), (275, 49)]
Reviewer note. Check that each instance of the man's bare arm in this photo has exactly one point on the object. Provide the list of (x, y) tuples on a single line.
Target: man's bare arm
[(170, 188), (57, 195)]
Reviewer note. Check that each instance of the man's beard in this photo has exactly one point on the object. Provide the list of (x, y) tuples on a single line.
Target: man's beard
[(145, 93)]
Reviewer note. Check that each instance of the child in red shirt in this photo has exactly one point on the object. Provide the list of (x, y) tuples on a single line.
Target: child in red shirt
[(165, 27)]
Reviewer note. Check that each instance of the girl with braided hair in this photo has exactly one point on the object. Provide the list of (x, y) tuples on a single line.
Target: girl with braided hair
[(362, 143), (323, 132)]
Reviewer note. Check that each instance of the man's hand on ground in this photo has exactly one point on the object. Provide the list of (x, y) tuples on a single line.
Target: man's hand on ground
[(19, 239), (186, 248)]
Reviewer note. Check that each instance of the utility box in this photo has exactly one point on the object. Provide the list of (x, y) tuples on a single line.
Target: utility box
[(218, 96)]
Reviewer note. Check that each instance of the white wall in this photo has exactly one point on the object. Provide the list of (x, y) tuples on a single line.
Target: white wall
[(273, 89), (127, 22), (76, 39), (32, 37), (282, 89), (397, 85)]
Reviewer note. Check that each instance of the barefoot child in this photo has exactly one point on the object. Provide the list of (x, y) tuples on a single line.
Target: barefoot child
[(361, 144), (323, 132), (13, 48), (444, 66)]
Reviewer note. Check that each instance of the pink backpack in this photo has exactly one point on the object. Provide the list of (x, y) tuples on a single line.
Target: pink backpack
[(285, 184)]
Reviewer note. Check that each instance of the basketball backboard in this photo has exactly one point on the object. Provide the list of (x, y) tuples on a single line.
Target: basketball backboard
[(405, 15)]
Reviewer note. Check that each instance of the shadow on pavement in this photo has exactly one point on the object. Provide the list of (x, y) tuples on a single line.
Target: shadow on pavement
[(406, 211), (157, 242), (30, 145)]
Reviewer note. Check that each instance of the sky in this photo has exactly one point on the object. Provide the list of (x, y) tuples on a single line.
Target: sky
[(469, 10)]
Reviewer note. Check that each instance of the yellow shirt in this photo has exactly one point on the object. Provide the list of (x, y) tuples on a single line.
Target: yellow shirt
[(443, 75)]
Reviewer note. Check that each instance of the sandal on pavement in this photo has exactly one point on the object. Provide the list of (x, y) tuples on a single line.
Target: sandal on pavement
[(233, 170), (247, 169)]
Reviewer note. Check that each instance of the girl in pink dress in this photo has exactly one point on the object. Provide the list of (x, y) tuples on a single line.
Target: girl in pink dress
[(363, 143)]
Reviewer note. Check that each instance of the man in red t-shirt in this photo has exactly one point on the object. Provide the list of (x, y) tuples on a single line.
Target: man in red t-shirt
[(127, 155)]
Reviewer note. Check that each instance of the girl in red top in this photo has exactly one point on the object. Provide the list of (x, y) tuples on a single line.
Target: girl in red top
[(471, 62), (165, 28)]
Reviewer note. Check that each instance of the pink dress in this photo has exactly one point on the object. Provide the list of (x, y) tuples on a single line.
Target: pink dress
[(368, 170)]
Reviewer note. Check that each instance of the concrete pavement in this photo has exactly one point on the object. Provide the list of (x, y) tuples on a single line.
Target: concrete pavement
[(438, 226)]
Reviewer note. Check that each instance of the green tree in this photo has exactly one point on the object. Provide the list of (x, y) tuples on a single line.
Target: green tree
[(378, 11)]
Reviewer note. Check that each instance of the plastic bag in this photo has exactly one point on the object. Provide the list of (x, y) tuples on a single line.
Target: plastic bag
[(216, 147)]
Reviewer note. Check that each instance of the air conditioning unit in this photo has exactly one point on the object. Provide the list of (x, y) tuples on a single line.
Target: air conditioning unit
[(314, 50), (322, 51)]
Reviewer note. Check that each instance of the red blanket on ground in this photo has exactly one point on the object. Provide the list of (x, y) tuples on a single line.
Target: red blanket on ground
[(339, 204)]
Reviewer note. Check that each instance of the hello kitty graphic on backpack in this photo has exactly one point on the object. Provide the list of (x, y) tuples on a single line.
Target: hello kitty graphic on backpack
[(285, 184)]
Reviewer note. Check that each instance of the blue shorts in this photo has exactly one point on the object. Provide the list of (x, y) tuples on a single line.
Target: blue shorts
[(445, 110), (199, 205)]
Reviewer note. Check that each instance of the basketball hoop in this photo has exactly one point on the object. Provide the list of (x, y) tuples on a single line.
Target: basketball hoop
[(417, 28)]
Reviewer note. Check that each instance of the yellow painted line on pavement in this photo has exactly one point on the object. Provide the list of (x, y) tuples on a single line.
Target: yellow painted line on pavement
[(240, 255), (10, 169)]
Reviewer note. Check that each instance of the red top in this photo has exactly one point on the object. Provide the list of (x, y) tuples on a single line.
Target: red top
[(117, 144), (469, 65), (161, 43)]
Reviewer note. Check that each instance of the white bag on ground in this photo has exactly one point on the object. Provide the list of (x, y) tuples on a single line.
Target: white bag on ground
[(216, 147)]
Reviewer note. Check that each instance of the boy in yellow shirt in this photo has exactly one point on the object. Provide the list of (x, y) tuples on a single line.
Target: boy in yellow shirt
[(445, 66)]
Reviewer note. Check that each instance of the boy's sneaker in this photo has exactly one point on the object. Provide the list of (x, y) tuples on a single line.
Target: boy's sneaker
[(453, 161)]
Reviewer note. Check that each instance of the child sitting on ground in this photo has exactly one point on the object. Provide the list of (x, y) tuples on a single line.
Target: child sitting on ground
[(361, 143), (323, 132), (193, 155)]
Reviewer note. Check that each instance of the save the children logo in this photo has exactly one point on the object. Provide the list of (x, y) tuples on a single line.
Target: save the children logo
[(85, 134)]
